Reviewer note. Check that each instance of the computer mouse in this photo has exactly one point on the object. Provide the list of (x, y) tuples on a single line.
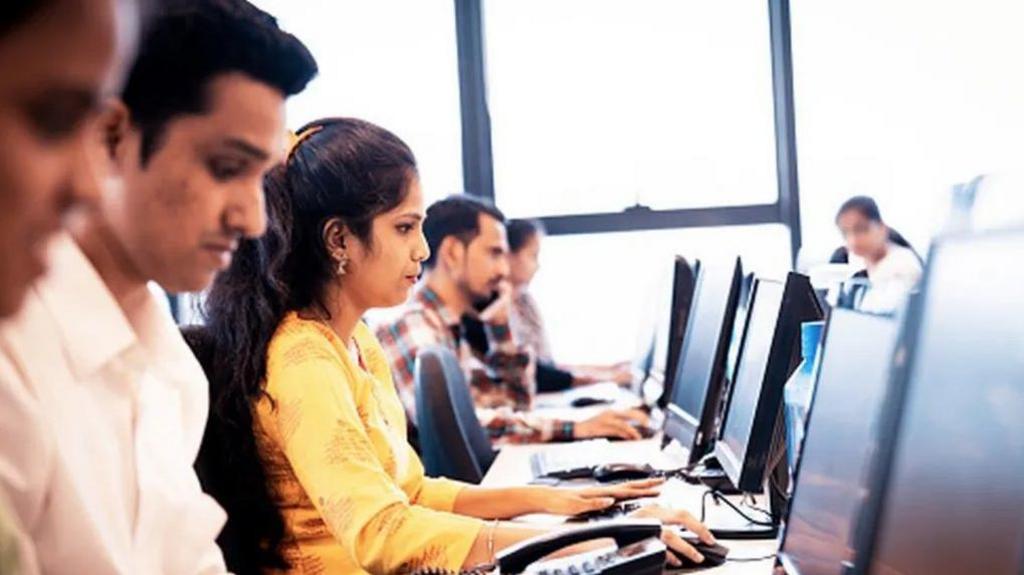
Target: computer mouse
[(588, 401), (714, 555), (622, 472), (646, 431)]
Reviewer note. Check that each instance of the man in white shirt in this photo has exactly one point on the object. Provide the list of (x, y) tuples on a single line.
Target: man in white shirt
[(102, 405), (59, 58)]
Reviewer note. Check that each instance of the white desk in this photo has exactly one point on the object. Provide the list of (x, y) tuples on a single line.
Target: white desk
[(512, 468)]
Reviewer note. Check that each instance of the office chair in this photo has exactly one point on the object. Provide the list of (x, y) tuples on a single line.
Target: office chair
[(453, 442)]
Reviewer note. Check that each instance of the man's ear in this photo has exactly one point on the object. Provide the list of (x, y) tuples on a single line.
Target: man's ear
[(451, 252), (333, 235), (115, 124)]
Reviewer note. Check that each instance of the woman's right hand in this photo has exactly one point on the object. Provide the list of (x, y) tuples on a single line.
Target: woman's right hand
[(670, 537), (611, 423)]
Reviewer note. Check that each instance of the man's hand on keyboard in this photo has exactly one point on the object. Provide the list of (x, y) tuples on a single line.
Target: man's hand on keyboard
[(573, 501), (611, 423)]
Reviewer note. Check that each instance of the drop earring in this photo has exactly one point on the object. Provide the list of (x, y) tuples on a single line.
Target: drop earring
[(342, 264)]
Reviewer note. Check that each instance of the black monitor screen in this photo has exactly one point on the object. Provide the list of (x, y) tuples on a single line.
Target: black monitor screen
[(951, 485), (750, 371), (703, 355), (683, 285), (768, 356), (830, 483)]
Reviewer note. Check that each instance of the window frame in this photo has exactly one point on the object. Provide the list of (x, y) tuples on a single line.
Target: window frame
[(478, 158)]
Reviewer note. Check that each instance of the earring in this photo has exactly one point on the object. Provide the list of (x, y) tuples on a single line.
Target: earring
[(342, 263)]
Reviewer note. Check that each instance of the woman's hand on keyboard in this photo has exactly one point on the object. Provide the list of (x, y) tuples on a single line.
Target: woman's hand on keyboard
[(570, 501)]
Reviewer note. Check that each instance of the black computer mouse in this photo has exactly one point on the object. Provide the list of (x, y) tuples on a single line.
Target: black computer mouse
[(622, 472), (714, 555), (588, 401)]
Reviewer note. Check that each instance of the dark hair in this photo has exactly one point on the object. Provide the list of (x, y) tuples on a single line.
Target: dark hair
[(457, 215), (342, 168), (14, 13), (868, 208), (189, 43), (520, 231)]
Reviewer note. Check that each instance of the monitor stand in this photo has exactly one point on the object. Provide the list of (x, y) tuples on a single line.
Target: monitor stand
[(713, 476), (729, 524), (744, 531)]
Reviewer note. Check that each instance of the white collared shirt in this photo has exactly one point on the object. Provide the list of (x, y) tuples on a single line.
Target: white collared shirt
[(101, 418)]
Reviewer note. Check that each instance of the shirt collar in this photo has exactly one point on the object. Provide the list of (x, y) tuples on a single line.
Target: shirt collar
[(429, 299), (92, 325)]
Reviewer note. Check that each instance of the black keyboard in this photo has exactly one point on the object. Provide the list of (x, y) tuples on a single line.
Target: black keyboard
[(611, 512)]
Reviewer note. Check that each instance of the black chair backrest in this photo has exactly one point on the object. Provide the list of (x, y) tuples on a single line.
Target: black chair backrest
[(453, 442)]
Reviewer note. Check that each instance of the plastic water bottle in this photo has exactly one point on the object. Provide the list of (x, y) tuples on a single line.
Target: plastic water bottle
[(799, 389)]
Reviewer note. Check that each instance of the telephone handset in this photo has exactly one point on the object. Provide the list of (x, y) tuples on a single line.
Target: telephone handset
[(639, 551)]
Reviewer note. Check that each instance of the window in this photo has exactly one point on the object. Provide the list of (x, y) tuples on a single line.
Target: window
[(391, 62), (598, 105), (900, 101), (594, 289)]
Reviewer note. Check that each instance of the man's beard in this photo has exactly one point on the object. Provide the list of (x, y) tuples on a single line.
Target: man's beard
[(478, 300)]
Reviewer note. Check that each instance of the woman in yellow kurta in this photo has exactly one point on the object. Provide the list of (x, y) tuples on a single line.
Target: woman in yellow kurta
[(309, 454), (337, 456)]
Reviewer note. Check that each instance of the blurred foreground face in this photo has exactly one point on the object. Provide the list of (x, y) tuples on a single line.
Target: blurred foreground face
[(58, 61)]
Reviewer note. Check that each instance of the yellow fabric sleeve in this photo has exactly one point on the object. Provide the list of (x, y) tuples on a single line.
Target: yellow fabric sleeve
[(324, 439)]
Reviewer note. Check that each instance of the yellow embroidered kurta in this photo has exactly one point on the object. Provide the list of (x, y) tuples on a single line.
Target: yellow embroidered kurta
[(332, 438)]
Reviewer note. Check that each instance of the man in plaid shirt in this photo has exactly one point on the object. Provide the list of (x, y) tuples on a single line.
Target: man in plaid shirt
[(468, 271)]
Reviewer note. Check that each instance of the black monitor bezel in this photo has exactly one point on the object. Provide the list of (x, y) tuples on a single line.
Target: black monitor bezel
[(747, 471), (698, 434), (784, 557), (685, 279), (904, 361)]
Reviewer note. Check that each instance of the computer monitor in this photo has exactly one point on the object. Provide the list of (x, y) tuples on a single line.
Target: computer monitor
[(947, 488), (768, 356), (847, 401), (746, 286), (684, 282), (652, 332), (693, 409)]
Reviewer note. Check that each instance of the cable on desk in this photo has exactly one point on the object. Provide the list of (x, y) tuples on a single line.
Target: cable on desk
[(750, 559), (720, 498), (752, 505), (704, 504)]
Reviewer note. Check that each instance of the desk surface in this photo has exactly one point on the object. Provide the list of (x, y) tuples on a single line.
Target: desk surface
[(512, 468)]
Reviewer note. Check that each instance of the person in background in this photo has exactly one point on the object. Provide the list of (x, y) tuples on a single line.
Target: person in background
[(59, 58), (881, 253), (528, 326), (305, 413), (468, 273), (102, 405)]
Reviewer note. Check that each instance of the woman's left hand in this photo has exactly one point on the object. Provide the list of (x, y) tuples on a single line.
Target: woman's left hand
[(573, 501)]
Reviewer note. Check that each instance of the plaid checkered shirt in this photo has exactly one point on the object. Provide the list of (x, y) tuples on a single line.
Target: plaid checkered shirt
[(501, 383)]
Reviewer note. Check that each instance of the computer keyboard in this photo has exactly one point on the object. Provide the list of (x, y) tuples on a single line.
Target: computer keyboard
[(576, 456), (611, 512)]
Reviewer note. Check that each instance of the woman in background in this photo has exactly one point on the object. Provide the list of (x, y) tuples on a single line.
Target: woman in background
[(307, 448), (885, 254), (886, 257), (524, 242)]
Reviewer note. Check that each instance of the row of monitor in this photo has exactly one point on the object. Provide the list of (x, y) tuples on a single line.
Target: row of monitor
[(733, 342), (913, 456)]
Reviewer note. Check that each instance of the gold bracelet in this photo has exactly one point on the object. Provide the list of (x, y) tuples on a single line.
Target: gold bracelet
[(490, 541)]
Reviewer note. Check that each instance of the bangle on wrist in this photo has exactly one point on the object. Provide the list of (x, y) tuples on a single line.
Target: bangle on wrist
[(490, 541)]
